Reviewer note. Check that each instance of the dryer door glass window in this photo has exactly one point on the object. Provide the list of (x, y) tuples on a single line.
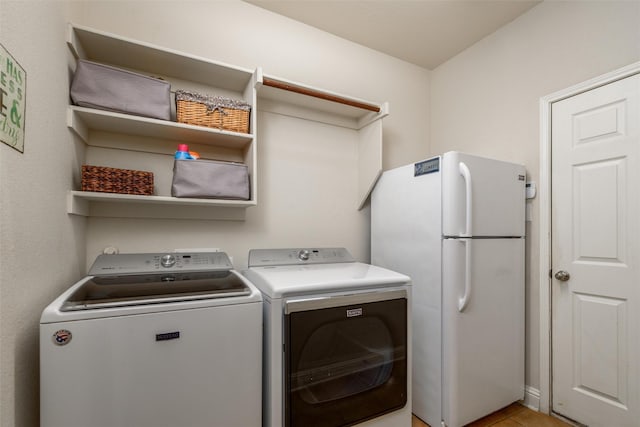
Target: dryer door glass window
[(345, 364)]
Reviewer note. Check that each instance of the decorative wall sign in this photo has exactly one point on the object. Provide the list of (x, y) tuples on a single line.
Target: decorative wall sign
[(13, 91)]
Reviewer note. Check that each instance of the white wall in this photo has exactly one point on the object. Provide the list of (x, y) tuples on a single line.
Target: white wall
[(486, 99), (42, 249)]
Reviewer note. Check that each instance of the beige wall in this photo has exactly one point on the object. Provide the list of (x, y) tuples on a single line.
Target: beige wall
[(42, 249), (307, 170), (486, 99)]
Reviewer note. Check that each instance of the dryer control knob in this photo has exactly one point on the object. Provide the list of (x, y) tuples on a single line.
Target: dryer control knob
[(168, 261), (303, 255)]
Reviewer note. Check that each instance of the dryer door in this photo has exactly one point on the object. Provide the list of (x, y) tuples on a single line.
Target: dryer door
[(345, 358)]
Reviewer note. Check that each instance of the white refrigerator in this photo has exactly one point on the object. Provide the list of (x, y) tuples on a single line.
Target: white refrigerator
[(455, 224)]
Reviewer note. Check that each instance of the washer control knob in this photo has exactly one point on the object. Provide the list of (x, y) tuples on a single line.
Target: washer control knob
[(303, 255), (168, 261)]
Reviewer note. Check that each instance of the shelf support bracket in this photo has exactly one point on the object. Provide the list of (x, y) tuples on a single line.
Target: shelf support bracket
[(78, 126), (76, 206)]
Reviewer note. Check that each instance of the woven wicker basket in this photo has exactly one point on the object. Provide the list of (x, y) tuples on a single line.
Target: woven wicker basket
[(112, 180), (212, 111)]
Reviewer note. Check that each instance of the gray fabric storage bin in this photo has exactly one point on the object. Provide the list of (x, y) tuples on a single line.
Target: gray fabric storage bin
[(109, 88), (210, 179)]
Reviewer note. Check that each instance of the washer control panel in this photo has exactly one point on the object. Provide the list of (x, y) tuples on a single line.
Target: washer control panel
[(298, 256), (120, 264)]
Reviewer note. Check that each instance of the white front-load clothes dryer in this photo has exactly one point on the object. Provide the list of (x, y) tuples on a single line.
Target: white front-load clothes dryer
[(337, 341), (153, 340)]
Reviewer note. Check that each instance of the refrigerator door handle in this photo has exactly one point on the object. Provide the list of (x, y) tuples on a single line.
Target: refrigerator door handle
[(466, 174), (464, 300)]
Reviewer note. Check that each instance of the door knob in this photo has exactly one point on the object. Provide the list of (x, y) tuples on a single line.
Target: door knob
[(562, 275)]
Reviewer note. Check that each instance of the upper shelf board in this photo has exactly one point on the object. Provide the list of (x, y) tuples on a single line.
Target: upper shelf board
[(98, 46)]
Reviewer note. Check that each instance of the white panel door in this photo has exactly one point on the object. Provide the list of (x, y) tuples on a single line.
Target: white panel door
[(596, 255), (482, 197), (483, 340)]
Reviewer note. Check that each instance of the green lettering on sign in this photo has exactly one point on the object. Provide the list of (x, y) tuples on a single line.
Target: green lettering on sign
[(13, 82)]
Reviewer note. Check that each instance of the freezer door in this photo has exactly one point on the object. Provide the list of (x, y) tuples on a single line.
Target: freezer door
[(482, 197), (483, 334)]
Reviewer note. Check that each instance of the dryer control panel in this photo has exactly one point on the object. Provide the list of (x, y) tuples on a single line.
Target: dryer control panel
[(159, 262), (298, 256)]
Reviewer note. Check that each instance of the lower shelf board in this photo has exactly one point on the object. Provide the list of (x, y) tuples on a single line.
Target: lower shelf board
[(114, 205)]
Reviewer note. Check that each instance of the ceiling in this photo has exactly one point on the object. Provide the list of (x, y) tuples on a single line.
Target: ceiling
[(423, 32)]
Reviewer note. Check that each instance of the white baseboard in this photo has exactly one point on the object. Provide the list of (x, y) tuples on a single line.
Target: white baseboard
[(531, 398)]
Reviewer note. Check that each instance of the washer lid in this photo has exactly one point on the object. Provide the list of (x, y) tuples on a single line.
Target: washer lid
[(116, 291), (286, 280)]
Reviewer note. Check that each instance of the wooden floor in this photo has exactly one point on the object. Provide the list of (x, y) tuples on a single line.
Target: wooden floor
[(514, 415)]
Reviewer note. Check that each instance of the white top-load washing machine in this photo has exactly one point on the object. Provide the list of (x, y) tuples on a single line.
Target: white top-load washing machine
[(337, 341), (153, 340)]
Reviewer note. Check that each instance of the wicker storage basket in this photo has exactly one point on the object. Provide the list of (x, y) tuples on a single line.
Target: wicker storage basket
[(112, 180), (212, 111)]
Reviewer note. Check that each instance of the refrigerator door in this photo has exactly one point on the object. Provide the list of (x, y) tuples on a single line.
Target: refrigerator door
[(405, 237), (483, 334), (482, 197)]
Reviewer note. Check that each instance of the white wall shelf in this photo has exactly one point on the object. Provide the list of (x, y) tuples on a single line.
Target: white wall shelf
[(82, 120), (299, 100), (99, 46), (87, 203), (183, 71), (295, 99)]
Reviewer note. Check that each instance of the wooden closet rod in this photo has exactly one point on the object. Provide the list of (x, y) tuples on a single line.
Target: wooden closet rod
[(317, 94)]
